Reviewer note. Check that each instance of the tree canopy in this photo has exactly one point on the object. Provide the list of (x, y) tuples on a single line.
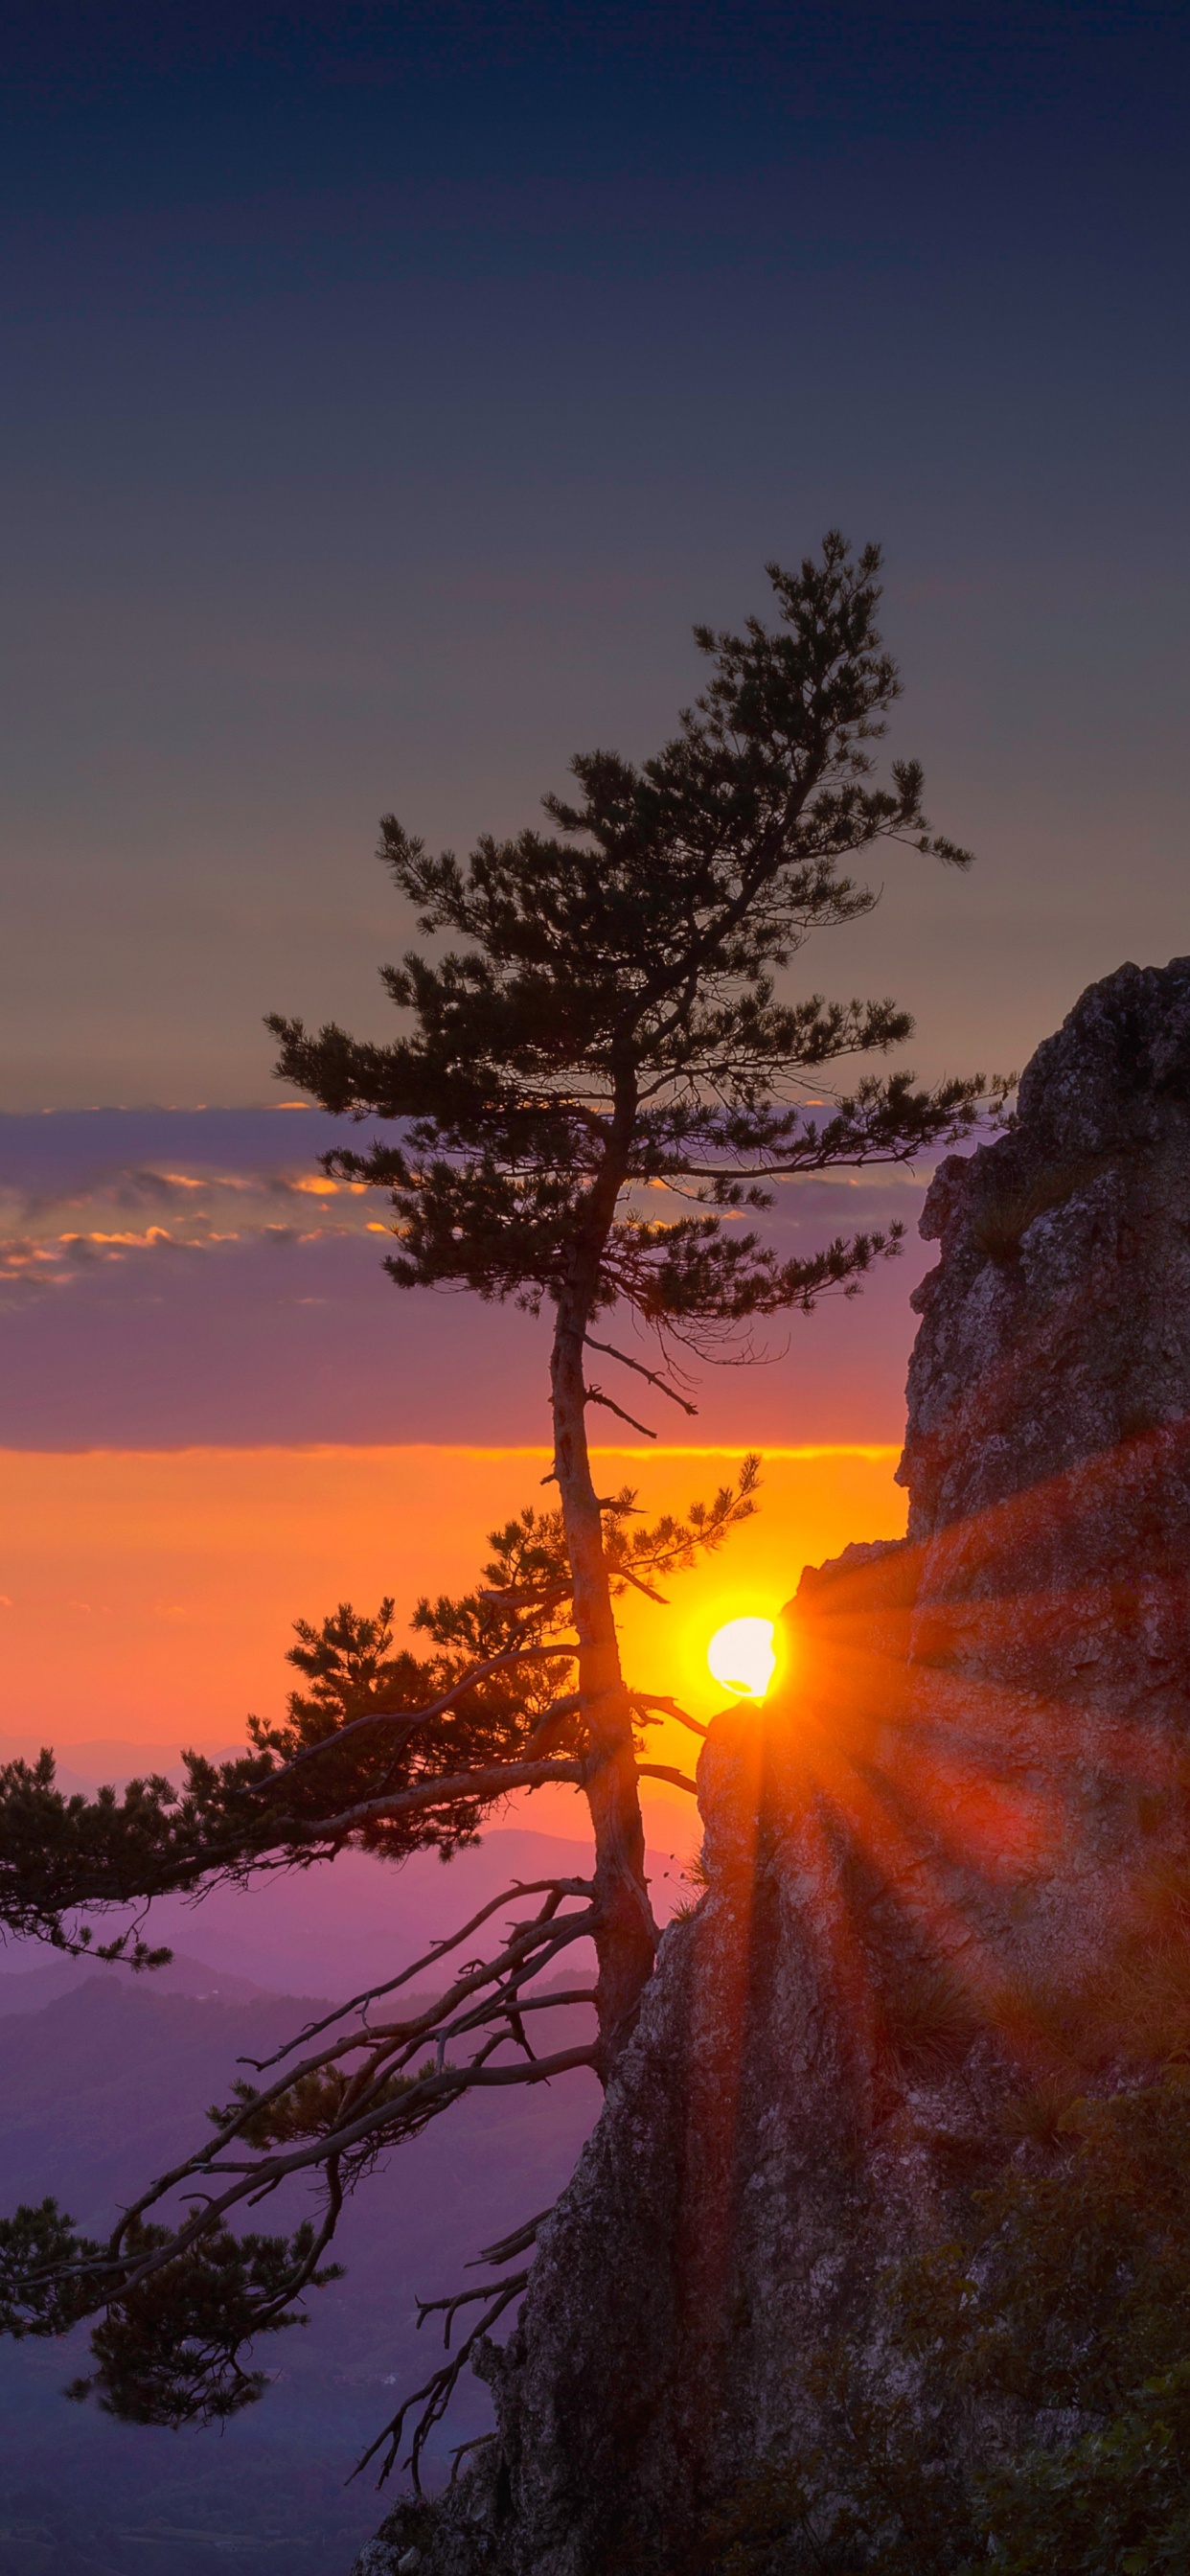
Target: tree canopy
[(614, 1026)]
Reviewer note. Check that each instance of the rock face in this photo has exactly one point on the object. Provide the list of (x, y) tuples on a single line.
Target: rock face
[(983, 1734)]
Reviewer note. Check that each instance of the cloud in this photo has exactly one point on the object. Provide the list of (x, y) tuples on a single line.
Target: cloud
[(60, 1214)]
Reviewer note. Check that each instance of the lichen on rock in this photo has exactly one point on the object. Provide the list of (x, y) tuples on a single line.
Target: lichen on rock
[(981, 1748)]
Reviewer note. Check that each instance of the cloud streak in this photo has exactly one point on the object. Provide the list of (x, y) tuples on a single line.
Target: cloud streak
[(106, 1205)]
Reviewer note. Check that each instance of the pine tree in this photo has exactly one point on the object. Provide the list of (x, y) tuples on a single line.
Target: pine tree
[(612, 1029), (586, 1096)]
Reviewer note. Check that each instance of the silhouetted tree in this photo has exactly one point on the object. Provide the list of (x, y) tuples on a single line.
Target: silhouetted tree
[(606, 1068)]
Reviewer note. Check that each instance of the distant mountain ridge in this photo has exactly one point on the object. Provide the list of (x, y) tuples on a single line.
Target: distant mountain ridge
[(26, 1990), (346, 1925)]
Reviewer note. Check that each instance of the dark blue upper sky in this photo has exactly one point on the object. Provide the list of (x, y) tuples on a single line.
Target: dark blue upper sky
[(146, 106), (386, 389)]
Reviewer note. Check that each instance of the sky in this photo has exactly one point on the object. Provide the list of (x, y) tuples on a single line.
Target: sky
[(150, 1594), (385, 392)]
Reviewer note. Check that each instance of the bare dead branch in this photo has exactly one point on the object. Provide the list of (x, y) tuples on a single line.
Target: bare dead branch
[(441, 1950), (653, 1375), (624, 1574), (460, 2451), (448, 2307), (518, 2243), (664, 1771), (553, 2002), (667, 1708), (595, 1395), (437, 2392), (371, 2108), (249, 2182)]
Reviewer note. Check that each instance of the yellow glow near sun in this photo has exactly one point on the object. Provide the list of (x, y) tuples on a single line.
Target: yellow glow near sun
[(741, 1656)]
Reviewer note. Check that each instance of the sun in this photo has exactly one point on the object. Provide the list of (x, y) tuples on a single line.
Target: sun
[(742, 1658)]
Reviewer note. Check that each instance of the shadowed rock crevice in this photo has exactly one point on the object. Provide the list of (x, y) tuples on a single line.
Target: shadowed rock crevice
[(981, 1750)]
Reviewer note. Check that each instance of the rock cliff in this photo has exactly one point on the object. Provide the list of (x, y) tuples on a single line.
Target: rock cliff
[(982, 1735)]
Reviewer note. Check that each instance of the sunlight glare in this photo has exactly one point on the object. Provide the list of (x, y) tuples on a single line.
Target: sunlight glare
[(742, 1658)]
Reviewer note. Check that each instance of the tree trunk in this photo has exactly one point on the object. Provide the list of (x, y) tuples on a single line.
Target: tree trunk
[(626, 1935)]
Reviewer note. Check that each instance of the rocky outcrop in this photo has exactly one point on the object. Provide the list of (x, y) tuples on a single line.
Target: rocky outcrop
[(982, 1735)]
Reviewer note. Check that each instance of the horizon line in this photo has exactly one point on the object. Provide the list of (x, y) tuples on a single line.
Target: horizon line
[(457, 1448)]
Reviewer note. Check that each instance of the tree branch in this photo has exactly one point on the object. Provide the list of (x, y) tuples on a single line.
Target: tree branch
[(489, 1783), (653, 1376), (368, 2111), (437, 2391), (518, 2243), (508, 1896), (624, 1574), (410, 1718), (664, 1771), (595, 1395), (428, 2094), (667, 1708)]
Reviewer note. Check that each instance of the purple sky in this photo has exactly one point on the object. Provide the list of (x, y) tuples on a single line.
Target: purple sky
[(169, 1277)]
